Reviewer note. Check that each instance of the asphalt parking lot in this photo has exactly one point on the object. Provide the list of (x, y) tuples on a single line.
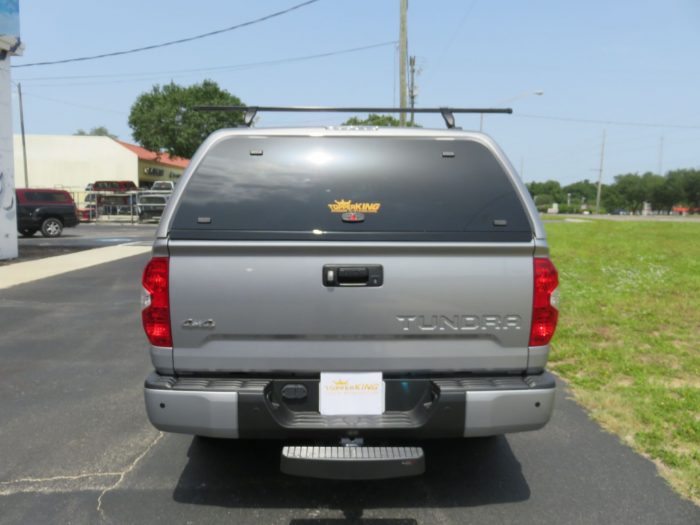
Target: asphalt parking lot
[(76, 446), (95, 234), (83, 237)]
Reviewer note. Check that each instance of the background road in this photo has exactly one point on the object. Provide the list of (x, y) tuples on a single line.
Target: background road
[(76, 445), (623, 218)]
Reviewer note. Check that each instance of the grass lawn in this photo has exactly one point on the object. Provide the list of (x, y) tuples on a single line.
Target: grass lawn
[(628, 340)]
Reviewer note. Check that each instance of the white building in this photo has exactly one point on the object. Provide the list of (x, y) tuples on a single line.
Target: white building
[(72, 162)]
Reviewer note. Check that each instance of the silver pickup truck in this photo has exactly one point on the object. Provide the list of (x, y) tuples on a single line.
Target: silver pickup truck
[(351, 291)]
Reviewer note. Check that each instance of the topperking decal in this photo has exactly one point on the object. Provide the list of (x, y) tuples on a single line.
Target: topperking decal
[(345, 206)]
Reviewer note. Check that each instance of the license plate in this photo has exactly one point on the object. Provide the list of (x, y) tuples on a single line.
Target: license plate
[(351, 393)]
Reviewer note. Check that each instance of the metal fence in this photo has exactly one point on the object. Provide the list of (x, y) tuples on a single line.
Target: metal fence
[(131, 206)]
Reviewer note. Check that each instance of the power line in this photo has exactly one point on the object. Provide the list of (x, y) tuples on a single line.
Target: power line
[(451, 40), (81, 106), (172, 42), (157, 74), (609, 122)]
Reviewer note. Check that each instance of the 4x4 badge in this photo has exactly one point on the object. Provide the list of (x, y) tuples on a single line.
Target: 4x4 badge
[(198, 323)]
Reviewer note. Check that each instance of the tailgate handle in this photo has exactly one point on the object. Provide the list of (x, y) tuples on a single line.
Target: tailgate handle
[(353, 275)]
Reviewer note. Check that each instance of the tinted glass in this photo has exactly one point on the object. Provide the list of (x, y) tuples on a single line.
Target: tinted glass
[(152, 199), (46, 196), (300, 187), (114, 185), (113, 199)]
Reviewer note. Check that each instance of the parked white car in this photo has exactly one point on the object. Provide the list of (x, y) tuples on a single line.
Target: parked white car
[(163, 185)]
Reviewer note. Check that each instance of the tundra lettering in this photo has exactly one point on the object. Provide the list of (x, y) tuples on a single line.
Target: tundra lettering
[(464, 323)]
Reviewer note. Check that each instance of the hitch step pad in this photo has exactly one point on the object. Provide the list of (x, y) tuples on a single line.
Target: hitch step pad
[(353, 462)]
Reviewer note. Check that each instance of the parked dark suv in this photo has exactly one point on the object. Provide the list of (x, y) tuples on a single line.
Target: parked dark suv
[(47, 210)]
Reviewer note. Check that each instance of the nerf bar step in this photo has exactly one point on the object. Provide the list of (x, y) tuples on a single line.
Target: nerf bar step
[(352, 462)]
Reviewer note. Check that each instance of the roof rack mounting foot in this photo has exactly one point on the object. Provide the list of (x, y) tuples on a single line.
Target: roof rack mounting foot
[(449, 117), (250, 115)]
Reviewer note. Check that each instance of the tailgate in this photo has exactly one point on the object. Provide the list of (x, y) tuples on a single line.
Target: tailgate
[(260, 216), (263, 307)]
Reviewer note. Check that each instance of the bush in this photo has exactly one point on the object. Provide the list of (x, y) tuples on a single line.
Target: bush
[(569, 208)]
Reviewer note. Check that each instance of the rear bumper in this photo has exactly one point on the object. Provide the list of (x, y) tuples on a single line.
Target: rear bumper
[(147, 213), (416, 408)]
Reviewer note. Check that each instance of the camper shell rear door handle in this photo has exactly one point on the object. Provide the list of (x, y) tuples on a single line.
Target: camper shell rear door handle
[(353, 275)]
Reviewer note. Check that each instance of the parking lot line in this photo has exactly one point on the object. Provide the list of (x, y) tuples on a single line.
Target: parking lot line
[(25, 272)]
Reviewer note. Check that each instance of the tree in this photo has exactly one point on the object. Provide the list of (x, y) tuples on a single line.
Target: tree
[(667, 194), (691, 187), (635, 190), (631, 190), (376, 120), (628, 192), (99, 131), (550, 190), (583, 191), (163, 119), (652, 185), (611, 199)]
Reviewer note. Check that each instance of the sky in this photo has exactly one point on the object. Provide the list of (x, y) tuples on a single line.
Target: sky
[(629, 67)]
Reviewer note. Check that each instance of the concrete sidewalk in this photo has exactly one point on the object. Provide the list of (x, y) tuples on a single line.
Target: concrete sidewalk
[(25, 272)]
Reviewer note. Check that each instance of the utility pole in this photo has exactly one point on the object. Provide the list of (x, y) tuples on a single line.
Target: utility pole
[(661, 156), (396, 74), (403, 50), (412, 86), (24, 142), (600, 175)]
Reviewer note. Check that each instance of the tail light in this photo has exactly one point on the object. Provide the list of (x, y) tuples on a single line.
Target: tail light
[(155, 302), (545, 302)]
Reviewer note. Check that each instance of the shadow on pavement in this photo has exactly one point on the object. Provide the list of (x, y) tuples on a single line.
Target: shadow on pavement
[(354, 521), (245, 474)]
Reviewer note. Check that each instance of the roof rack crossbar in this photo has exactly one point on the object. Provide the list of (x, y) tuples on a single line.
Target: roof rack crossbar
[(447, 113)]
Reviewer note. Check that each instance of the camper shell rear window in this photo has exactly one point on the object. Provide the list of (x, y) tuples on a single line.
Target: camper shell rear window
[(350, 188)]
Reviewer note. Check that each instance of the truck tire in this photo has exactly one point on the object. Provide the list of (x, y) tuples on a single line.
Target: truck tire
[(27, 232), (51, 227)]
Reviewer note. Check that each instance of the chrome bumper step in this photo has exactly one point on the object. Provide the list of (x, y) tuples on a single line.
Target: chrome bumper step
[(352, 462)]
